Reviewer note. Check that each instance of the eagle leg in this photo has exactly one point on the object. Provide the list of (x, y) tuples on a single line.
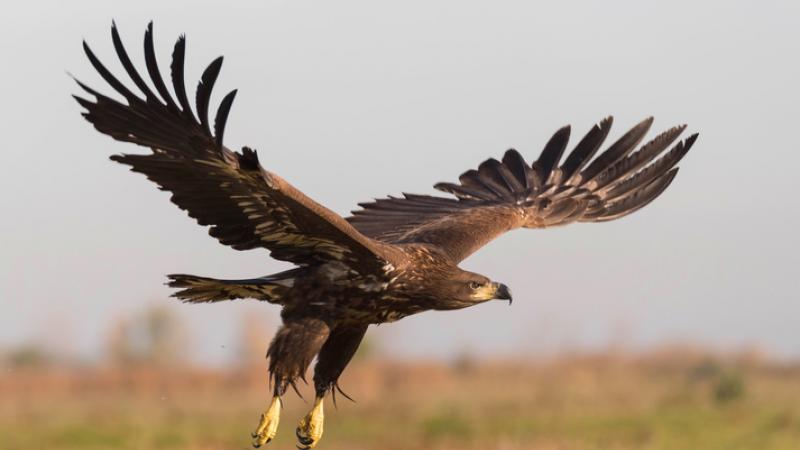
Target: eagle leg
[(291, 351), (268, 425), (333, 357), (309, 430)]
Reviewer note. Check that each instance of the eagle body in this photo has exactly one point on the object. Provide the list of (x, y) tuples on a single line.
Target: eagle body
[(338, 293), (335, 292), (393, 257)]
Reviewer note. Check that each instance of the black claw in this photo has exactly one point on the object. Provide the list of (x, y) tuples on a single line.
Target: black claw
[(303, 440), (256, 444)]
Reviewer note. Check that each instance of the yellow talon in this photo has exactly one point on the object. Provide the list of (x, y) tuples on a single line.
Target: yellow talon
[(309, 430), (268, 426)]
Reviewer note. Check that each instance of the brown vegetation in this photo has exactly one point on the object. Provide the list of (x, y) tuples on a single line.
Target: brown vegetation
[(663, 400)]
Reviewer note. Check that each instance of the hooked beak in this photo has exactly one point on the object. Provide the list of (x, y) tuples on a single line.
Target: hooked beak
[(502, 292)]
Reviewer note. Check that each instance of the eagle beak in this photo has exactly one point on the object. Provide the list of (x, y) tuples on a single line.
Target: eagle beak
[(502, 292)]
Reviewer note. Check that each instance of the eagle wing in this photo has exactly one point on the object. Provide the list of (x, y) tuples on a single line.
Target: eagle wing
[(246, 206), (503, 195)]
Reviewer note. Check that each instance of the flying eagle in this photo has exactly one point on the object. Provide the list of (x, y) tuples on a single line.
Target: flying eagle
[(395, 257)]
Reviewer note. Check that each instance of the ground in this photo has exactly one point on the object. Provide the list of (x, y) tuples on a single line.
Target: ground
[(657, 401)]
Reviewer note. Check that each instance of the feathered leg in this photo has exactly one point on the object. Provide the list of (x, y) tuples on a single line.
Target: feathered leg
[(291, 351), (333, 358)]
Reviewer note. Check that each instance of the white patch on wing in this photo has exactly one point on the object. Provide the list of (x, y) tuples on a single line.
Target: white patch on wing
[(372, 286), (334, 270), (286, 282)]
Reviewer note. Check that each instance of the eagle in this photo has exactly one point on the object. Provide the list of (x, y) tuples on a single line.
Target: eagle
[(394, 257)]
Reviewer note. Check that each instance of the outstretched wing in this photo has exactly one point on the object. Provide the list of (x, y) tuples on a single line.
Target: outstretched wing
[(503, 195), (246, 206)]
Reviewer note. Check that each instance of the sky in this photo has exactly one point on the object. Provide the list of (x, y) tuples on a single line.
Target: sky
[(352, 100)]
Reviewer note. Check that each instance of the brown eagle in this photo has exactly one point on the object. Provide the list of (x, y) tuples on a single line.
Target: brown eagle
[(395, 257)]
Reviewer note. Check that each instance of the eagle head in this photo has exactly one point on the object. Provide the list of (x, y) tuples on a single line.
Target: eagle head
[(432, 280), (462, 289)]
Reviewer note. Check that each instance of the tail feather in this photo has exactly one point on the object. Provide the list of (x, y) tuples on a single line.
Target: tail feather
[(195, 289)]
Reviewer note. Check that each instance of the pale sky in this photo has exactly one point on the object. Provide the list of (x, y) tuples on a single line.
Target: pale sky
[(354, 100)]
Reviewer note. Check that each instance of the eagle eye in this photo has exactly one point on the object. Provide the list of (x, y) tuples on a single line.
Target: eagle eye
[(474, 285)]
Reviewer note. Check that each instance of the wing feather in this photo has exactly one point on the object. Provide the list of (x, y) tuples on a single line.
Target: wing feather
[(586, 148), (617, 150), (178, 83), (501, 196), (516, 164), (153, 71), (491, 178), (203, 96), (551, 154), (244, 205), (222, 116), (128, 65)]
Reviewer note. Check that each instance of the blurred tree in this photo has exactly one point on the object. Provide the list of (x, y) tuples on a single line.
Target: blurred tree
[(165, 339), (725, 380), (27, 355), (465, 362), (153, 337), (729, 386), (119, 349)]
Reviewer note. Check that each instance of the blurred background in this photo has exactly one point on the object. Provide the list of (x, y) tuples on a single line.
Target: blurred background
[(676, 327)]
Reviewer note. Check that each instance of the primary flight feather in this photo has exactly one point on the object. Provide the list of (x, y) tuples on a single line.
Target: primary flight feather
[(394, 257)]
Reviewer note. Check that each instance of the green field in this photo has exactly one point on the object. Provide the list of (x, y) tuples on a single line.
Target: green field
[(664, 401)]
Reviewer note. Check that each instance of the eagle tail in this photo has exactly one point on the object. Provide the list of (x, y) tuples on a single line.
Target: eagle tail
[(195, 289)]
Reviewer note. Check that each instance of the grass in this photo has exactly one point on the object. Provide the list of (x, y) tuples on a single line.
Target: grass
[(611, 402)]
